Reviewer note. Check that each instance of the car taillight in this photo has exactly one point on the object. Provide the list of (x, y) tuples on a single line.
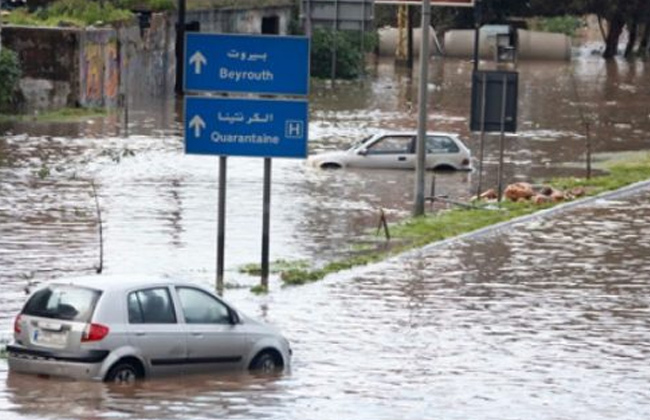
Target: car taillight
[(17, 328), (94, 332), (465, 162)]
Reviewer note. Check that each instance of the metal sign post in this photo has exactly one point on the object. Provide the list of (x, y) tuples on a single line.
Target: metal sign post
[(482, 139), (420, 162), (494, 109), (244, 126), (266, 223), (221, 222), (502, 137)]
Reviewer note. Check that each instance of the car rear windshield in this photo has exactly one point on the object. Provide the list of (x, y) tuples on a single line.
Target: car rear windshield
[(63, 302)]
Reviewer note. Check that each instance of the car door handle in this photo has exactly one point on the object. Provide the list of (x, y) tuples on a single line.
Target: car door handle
[(401, 158), (197, 334), (140, 334)]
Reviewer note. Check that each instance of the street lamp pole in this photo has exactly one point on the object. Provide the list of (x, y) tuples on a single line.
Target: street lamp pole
[(420, 163)]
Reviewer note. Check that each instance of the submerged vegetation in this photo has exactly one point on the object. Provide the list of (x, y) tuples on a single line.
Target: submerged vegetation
[(63, 115), (417, 232)]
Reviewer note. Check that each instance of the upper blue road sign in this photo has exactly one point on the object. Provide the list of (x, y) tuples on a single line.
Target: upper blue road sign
[(247, 63), (246, 127)]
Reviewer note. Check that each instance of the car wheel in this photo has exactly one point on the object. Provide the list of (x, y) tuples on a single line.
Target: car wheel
[(266, 363), (123, 373), (444, 168), (330, 165)]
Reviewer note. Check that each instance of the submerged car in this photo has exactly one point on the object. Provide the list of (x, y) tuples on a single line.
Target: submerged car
[(123, 328), (444, 151)]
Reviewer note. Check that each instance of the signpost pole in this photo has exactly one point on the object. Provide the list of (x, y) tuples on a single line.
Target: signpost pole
[(180, 47), (482, 138), (221, 223), (256, 127), (502, 138), (420, 163), (409, 39), (308, 18), (477, 32), (266, 223), (334, 51)]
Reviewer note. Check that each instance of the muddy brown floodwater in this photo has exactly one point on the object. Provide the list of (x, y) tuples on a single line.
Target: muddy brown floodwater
[(545, 322)]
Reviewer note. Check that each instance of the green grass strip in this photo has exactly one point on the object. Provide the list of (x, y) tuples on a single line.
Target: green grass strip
[(63, 115), (419, 231)]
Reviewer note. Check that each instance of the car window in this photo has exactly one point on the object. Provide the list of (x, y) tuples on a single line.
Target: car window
[(441, 144), (201, 308), (359, 142), (391, 145), (151, 306), (63, 302)]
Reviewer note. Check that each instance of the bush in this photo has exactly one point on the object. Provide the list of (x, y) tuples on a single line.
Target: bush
[(567, 25), (153, 5), (349, 57), (9, 77), (88, 12)]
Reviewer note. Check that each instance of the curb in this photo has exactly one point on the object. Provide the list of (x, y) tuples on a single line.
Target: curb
[(561, 208)]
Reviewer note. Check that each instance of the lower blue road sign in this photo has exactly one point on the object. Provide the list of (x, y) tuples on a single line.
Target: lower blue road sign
[(246, 127)]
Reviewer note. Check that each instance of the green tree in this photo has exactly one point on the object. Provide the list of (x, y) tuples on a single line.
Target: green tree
[(349, 56), (9, 77)]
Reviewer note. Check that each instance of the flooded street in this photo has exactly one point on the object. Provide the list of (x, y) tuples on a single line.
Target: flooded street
[(548, 321)]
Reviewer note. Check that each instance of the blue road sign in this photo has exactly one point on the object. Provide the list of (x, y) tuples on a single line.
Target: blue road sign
[(247, 63), (246, 127)]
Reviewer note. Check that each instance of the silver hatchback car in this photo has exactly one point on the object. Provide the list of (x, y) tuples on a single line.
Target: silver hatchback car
[(120, 329)]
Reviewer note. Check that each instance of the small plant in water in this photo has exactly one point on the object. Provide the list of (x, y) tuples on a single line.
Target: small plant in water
[(259, 289)]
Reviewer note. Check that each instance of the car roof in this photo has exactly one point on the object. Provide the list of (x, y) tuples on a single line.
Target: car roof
[(414, 133), (410, 133), (120, 282)]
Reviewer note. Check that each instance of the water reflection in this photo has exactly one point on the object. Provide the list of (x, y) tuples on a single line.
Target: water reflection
[(546, 321)]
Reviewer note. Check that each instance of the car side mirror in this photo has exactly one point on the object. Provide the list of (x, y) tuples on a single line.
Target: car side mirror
[(234, 317), (362, 152)]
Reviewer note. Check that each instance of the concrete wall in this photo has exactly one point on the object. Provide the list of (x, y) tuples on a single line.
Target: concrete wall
[(245, 21), (148, 61), (68, 67), (99, 74), (50, 65), (97, 67)]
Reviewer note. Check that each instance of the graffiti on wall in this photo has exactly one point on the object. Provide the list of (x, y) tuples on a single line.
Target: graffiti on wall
[(100, 71), (112, 80), (93, 72)]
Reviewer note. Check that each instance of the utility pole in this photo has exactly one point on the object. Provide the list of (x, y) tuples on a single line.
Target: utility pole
[(478, 18), (420, 163), (0, 25), (180, 46)]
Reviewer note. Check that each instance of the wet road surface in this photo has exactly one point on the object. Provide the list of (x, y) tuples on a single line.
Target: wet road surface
[(547, 322)]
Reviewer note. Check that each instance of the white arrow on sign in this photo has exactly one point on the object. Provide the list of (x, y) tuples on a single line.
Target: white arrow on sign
[(197, 124), (198, 60)]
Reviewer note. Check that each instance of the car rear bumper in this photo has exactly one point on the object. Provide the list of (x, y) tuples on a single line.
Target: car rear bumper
[(84, 365)]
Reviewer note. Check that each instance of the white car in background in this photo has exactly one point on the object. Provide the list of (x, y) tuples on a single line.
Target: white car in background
[(444, 151)]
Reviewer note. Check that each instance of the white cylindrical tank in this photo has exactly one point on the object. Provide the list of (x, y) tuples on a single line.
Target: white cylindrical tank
[(459, 43), (543, 46), (388, 41), (530, 45)]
